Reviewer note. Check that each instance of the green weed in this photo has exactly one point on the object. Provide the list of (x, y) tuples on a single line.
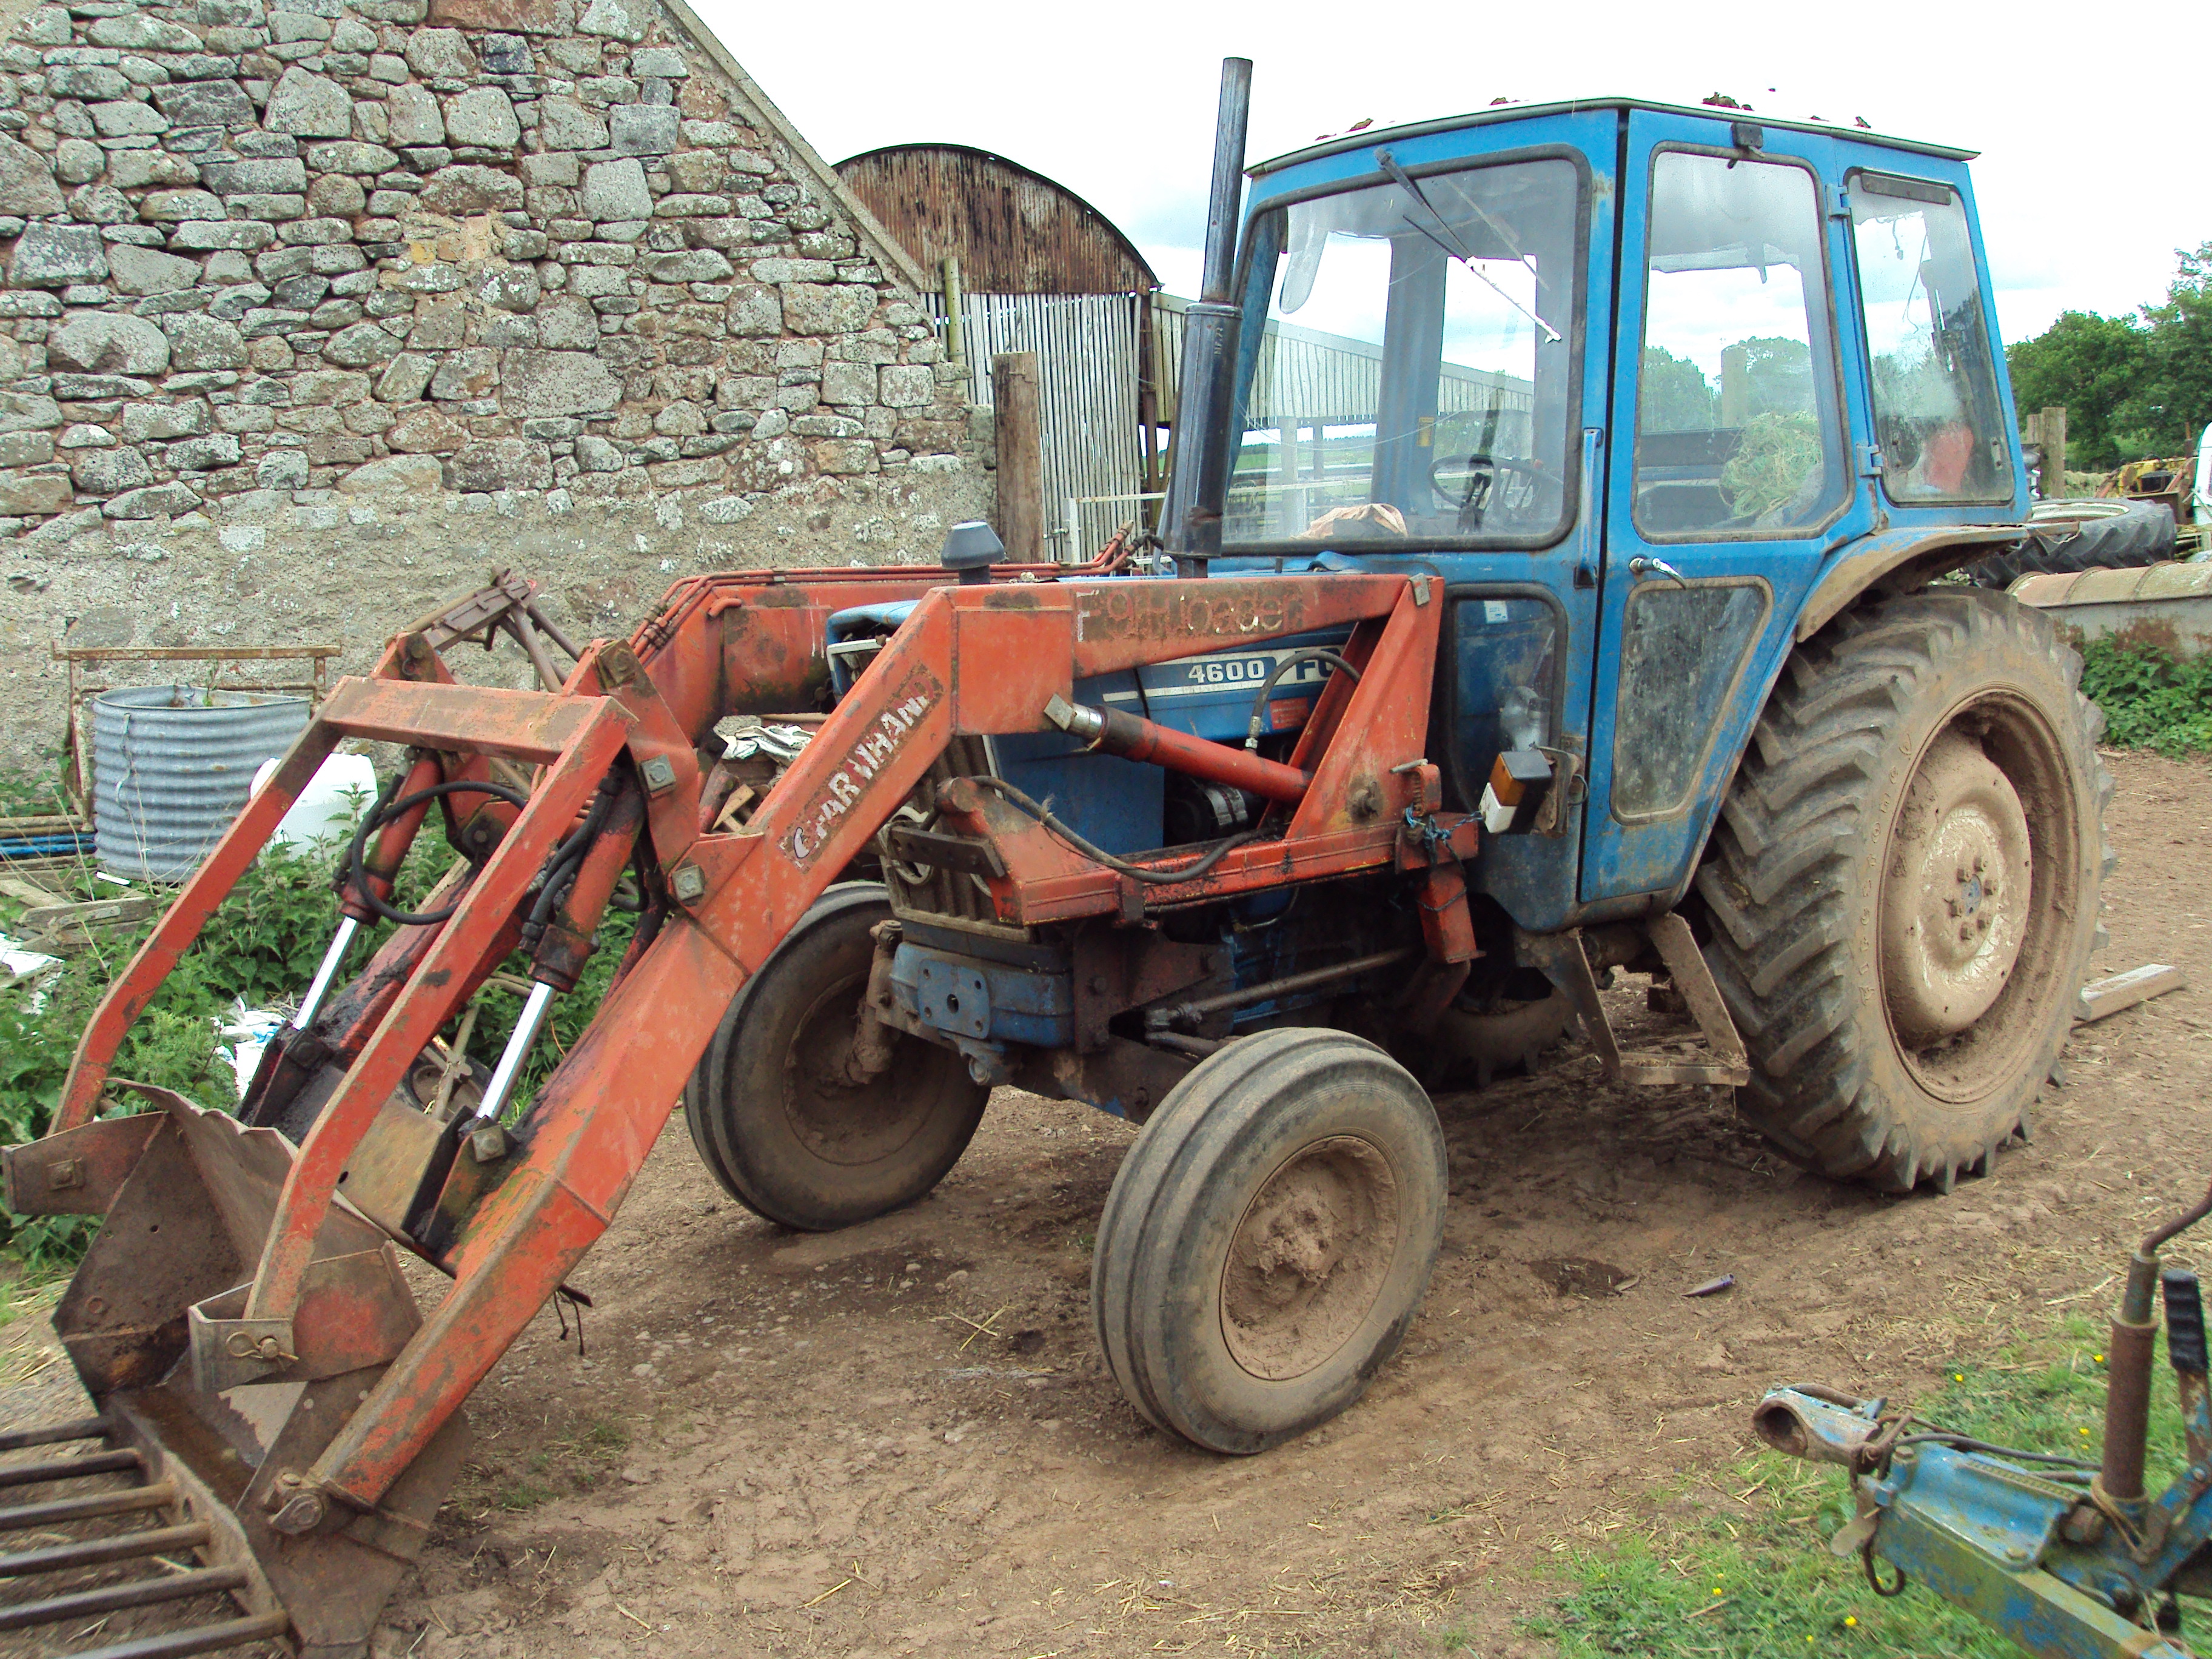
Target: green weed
[(1751, 1577), (2151, 698)]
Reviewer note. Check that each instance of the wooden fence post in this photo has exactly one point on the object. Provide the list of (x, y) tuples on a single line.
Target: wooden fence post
[(1019, 429), (956, 344)]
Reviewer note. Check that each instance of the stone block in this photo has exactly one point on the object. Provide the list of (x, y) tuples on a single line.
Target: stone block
[(287, 27), (105, 471), (466, 374), (35, 492), (212, 103), (438, 325), (539, 381), (198, 344), (28, 411), (175, 206), (185, 418), (505, 54), (147, 271), (755, 310), (698, 265), (282, 469), (364, 345), (441, 54), (467, 189), (816, 309), (48, 26), (31, 449), (848, 383), (328, 388), (406, 378), (482, 116), (78, 161), (415, 476), (285, 173), (336, 195), (530, 16), (414, 116), (136, 169), (309, 232), (272, 208), (500, 463), (597, 282), (620, 20), (242, 235), (683, 205), (136, 32), (85, 81), (616, 191), (909, 385), (596, 454), (794, 270), (55, 256), (641, 129), (352, 155), (389, 68), (558, 170), (308, 105), (426, 430), (567, 323), (565, 125), (106, 342), (200, 454), (661, 63), (158, 501)]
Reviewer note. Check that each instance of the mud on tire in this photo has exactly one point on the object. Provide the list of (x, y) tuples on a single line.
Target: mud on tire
[(1905, 747)]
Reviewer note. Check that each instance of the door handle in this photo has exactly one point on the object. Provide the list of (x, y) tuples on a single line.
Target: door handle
[(1640, 566)]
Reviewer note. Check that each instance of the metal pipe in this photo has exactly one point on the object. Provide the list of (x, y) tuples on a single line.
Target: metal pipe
[(68, 1468), (53, 1434), (2181, 1223), (114, 1598), (311, 1003), (1190, 517), (1136, 738), (2127, 1385), (195, 1639), (518, 1047), (101, 1552), (24, 1516), (1199, 1008)]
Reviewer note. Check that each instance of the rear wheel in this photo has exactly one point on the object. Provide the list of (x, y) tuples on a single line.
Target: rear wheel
[(1903, 885), (2097, 534), (1269, 1238), (775, 1111)]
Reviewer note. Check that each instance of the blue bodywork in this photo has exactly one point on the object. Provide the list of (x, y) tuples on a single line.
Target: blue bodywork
[(1989, 1533), (1625, 863)]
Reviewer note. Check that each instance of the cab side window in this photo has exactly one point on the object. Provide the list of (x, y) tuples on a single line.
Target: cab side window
[(1936, 410), (1738, 431)]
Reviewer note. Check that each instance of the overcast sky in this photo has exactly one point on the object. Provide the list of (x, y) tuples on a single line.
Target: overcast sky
[(2094, 155)]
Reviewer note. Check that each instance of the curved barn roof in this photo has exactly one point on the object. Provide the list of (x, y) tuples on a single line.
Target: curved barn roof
[(1013, 230)]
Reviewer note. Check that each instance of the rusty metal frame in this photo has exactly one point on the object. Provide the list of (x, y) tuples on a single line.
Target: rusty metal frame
[(78, 658)]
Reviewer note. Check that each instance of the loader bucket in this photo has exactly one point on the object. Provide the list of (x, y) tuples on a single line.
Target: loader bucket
[(188, 1454)]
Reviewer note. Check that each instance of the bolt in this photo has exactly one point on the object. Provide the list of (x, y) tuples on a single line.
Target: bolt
[(1980, 864), (300, 1515), (2017, 1556), (1965, 932), (1962, 873), (1981, 924), (1951, 907), (488, 1145)]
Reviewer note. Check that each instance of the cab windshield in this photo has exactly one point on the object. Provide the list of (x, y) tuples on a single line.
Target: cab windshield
[(1411, 378)]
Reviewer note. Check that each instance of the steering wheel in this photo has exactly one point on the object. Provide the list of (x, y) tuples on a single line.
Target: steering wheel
[(1490, 481)]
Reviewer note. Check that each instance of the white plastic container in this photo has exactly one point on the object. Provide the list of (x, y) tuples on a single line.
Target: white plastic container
[(342, 788)]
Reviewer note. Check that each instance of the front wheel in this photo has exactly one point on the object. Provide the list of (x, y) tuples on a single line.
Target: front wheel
[(775, 1109), (1269, 1238), (1904, 885)]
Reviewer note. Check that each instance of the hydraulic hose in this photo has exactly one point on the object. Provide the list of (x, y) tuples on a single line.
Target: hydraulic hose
[(384, 811), (1044, 815)]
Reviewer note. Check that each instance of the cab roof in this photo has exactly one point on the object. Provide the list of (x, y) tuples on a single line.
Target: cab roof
[(1719, 115)]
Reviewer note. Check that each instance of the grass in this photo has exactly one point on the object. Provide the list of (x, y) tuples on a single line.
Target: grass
[(2151, 698), (1751, 1577), (575, 1461)]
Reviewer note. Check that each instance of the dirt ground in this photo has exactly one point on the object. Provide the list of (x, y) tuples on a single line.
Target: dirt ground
[(898, 1440)]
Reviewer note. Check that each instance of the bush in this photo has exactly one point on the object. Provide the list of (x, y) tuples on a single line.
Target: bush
[(2151, 699)]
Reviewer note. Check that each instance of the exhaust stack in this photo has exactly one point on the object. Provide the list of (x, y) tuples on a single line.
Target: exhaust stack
[(1190, 517)]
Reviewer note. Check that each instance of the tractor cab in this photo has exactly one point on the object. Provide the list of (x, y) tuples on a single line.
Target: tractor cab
[(1633, 381)]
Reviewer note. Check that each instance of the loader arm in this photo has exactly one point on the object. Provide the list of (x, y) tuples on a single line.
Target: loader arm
[(284, 1292)]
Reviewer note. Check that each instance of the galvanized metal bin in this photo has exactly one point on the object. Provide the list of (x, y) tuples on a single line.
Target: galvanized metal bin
[(172, 766)]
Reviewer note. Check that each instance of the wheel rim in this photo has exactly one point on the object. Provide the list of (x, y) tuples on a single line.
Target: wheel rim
[(837, 1120), (1979, 884), (1309, 1257)]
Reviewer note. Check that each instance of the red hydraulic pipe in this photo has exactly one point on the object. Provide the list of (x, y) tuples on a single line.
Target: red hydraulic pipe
[(1139, 739)]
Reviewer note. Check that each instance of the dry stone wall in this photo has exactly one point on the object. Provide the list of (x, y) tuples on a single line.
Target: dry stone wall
[(315, 310)]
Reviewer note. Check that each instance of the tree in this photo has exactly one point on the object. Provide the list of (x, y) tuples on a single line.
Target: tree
[(2174, 400), (1676, 395), (2091, 364)]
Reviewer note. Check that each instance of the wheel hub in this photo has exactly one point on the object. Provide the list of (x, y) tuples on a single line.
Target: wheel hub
[(1956, 902), (1309, 1256)]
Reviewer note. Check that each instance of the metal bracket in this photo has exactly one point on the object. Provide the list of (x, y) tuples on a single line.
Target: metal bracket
[(1564, 962)]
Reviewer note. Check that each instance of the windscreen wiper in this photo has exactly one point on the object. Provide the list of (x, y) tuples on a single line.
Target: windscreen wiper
[(1451, 243)]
